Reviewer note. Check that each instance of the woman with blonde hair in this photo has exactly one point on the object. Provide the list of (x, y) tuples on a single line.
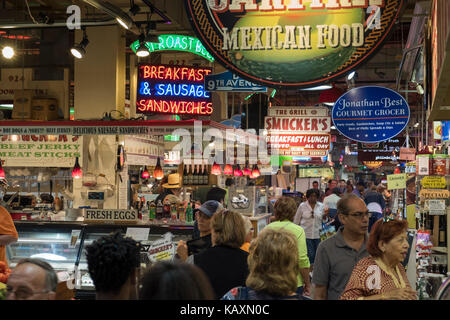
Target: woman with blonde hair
[(225, 264), (273, 264)]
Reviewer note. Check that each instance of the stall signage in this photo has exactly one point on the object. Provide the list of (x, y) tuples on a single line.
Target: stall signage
[(111, 215), (40, 150), (396, 181), (435, 206), (177, 43), (162, 249), (298, 124), (171, 89), (299, 142), (228, 81), (292, 43), (407, 154), (297, 111), (433, 182), (382, 151), (77, 130), (370, 114), (434, 194)]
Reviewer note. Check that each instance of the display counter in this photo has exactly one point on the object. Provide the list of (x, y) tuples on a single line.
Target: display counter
[(51, 241)]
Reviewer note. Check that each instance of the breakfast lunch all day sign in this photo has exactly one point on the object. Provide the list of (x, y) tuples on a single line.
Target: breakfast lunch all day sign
[(292, 43)]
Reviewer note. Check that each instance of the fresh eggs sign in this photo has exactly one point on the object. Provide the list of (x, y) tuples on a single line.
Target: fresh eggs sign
[(370, 114), (170, 89), (292, 43)]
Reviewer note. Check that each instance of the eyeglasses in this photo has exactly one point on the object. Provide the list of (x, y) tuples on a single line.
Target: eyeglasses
[(359, 215), (22, 293)]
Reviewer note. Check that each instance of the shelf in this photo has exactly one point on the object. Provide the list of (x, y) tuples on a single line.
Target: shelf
[(440, 249)]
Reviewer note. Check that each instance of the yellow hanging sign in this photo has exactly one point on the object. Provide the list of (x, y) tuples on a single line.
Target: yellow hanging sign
[(433, 182), (396, 181)]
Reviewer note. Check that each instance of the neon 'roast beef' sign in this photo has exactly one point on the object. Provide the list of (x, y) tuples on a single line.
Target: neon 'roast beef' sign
[(292, 43)]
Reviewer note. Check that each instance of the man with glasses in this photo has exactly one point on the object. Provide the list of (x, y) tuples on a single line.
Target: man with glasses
[(336, 256), (32, 279)]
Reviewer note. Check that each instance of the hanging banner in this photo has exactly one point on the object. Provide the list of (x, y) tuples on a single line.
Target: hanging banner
[(40, 150), (298, 124), (382, 151), (433, 182), (370, 114), (292, 43), (435, 206)]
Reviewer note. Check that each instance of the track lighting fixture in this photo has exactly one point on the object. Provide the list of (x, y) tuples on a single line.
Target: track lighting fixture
[(79, 50)]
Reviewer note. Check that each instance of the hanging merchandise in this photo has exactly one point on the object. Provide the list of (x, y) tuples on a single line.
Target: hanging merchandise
[(215, 169), (76, 172), (228, 170), (145, 174)]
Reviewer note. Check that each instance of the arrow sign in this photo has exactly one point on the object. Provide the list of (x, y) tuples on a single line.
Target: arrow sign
[(227, 81)]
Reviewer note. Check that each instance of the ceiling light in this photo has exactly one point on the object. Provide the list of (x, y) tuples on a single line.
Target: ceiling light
[(330, 104), (149, 33), (79, 50), (122, 23), (419, 89), (416, 125), (8, 52), (142, 51), (323, 87), (333, 128), (351, 75)]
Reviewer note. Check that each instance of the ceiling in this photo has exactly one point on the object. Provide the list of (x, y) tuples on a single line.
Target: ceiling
[(15, 20)]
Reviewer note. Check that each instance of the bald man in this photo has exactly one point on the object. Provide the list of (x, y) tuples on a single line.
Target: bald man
[(32, 279)]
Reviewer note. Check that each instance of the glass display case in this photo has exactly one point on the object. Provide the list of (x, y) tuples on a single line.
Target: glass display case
[(54, 242)]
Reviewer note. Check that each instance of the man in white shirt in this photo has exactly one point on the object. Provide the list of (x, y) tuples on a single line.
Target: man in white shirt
[(309, 216)]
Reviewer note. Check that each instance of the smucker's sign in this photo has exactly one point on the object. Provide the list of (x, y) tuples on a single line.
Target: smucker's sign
[(292, 43)]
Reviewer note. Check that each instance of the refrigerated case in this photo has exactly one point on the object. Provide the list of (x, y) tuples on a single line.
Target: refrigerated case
[(51, 241)]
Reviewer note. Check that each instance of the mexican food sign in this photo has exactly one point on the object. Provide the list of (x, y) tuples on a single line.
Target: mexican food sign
[(292, 43)]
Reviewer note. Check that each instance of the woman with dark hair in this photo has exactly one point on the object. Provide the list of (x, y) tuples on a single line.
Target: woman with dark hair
[(310, 216), (168, 280), (381, 276)]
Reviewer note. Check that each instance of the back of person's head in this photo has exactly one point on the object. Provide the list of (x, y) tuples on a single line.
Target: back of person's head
[(167, 280), (285, 209), (309, 192), (229, 228), (229, 182), (217, 194), (343, 205), (273, 262), (336, 191), (111, 261), (51, 279)]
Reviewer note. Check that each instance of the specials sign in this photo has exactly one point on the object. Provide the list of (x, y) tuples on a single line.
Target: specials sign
[(173, 89), (292, 43)]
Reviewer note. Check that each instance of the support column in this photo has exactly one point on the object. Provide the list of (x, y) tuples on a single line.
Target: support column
[(100, 87)]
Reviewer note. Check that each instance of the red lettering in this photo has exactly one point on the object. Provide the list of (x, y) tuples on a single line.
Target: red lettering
[(184, 72), (300, 124), (307, 123), (168, 74), (153, 73), (191, 76), (161, 72), (291, 125), (175, 74), (314, 126), (146, 72)]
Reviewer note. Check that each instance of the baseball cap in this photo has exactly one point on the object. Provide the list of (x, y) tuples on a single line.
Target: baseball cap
[(210, 207)]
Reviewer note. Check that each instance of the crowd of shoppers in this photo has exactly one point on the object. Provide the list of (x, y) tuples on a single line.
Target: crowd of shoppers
[(224, 260)]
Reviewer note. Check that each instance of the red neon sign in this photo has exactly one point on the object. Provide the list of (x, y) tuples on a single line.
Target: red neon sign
[(173, 90)]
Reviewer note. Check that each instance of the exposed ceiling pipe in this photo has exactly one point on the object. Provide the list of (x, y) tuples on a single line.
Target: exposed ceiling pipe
[(157, 11), (60, 24), (114, 12)]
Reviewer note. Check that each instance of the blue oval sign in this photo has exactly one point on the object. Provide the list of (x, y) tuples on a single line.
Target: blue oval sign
[(370, 114)]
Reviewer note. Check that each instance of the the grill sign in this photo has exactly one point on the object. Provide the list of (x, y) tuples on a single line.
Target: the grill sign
[(292, 43)]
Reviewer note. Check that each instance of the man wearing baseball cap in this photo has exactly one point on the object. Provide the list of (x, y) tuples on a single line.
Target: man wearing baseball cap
[(185, 251)]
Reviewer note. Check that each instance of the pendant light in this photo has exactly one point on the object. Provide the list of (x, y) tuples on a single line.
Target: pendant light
[(76, 172), (2, 171), (237, 171), (247, 171), (255, 172), (145, 174), (228, 170), (215, 169), (158, 173)]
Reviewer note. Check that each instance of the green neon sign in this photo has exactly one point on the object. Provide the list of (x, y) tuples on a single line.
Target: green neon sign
[(176, 42)]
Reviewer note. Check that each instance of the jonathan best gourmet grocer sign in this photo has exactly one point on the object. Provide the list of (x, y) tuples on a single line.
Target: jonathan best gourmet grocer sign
[(292, 43)]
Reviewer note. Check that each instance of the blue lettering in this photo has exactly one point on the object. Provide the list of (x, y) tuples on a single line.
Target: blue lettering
[(160, 89), (184, 90)]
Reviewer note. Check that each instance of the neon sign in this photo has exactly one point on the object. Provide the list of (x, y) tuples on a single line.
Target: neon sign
[(178, 43), (173, 90)]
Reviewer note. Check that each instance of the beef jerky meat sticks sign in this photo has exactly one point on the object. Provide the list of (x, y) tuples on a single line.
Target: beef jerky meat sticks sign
[(292, 43)]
